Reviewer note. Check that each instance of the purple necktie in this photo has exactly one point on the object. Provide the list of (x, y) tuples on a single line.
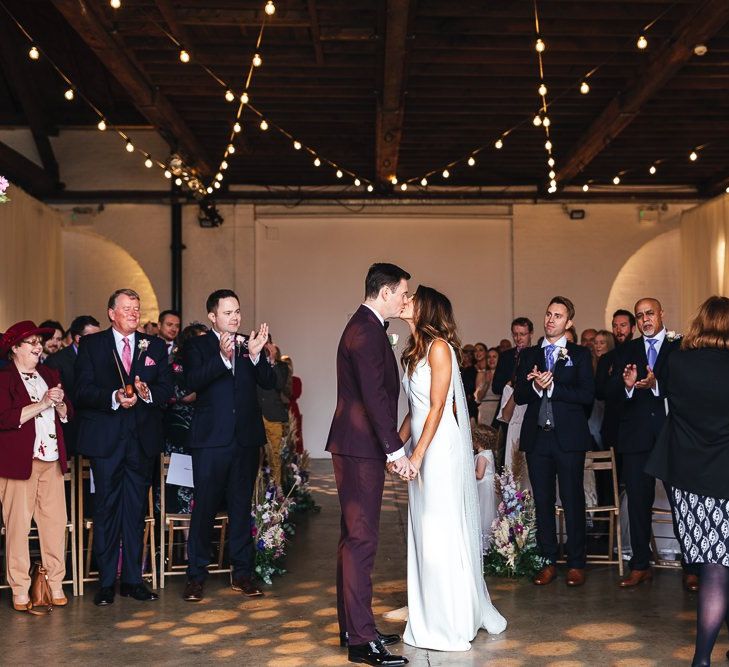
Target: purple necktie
[(652, 352)]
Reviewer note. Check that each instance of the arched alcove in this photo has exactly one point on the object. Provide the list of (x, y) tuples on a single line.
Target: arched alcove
[(653, 270), (94, 268)]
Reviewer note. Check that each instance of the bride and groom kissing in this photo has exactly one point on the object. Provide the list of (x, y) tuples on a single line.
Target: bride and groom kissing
[(448, 601)]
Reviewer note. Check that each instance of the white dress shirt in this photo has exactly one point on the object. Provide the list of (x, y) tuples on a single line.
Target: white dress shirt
[(562, 342), (228, 363), (119, 341), (659, 337)]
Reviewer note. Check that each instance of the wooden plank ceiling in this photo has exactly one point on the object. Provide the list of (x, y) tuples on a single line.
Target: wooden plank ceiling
[(393, 87)]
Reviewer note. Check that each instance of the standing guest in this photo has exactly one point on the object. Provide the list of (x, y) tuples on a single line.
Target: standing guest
[(555, 381), (33, 458), (224, 368), (274, 404), (296, 388), (468, 355), (52, 342), (169, 328), (639, 382), (692, 457), (178, 418), (587, 339), (504, 344), (521, 332), (571, 334), (488, 401), (468, 376), (150, 328), (123, 383), (484, 442), (64, 362), (602, 344)]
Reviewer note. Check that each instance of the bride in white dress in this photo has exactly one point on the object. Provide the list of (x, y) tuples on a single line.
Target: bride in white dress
[(447, 597)]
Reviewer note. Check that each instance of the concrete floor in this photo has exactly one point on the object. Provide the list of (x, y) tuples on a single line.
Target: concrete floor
[(295, 624)]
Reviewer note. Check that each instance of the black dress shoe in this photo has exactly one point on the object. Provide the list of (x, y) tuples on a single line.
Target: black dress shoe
[(138, 592), (387, 640), (193, 591), (104, 596), (246, 586), (374, 653)]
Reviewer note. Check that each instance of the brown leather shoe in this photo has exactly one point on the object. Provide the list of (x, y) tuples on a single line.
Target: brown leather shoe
[(246, 586), (546, 576), (636, 577), (60, 602), (691, 582), (575, 576), (193, 591)]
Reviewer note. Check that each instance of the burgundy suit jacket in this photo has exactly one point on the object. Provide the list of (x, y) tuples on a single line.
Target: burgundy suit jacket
[(16, 441), (368, 387)]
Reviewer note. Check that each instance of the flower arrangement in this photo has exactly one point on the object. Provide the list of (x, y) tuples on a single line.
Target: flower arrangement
[(269, 517), (513, 548), (4, 185)]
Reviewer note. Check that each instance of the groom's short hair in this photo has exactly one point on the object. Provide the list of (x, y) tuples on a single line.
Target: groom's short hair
[(382, 275), (564, 301)]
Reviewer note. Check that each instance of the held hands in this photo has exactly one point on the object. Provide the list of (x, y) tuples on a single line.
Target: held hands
[(405, 468), (542, 379), (257, 340)]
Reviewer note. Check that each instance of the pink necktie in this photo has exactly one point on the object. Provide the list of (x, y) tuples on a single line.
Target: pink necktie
[(127, 356)]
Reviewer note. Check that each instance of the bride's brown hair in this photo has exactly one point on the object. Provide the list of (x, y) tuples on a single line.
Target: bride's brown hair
[(433, 318)]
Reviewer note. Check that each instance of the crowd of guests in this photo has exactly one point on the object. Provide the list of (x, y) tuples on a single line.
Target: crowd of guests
[(120, 397), (657, 398)]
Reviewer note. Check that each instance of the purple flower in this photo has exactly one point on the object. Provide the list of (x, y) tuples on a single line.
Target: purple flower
[(3, 185)]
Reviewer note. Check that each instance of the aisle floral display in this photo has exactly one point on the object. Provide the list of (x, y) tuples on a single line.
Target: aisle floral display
[(513, 548), (275, 506)]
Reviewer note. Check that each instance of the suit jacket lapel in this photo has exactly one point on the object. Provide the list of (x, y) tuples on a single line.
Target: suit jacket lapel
[(662, 355)]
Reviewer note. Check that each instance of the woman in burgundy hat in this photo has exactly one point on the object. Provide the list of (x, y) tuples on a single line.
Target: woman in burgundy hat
[(32, 460)]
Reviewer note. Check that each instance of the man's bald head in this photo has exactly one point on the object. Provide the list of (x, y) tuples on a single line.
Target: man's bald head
[(649, 316)]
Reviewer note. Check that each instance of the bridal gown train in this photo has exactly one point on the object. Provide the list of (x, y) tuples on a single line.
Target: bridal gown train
[(447, 597)]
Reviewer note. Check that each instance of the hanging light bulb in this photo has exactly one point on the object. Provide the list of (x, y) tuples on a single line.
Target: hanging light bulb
[(297, 145), (446, 173), (339, 173), (424, 182), (102, 125), (585, 187), (370, 188), (642, 42), (257, 60), (652, 170), (393, 180), (552, 174), (129, 146), (537, 120), (317, 162), (34, 53), (357, 182), (540, 45), (115, 4), (542, 90), (229, 97), (236, 128), (270, 8), (546, 122), (69, 94), (548, 145), (727, 190), (404, 187), (218, 176), (693, 156), (471, 161), (550, 162), (216, 185), (552, 189), (184, 56), (244, 99), (584, 87), (264, 125), (499, 144), (168, 173), (616, 180), (210, 190), (231, 149), (178, 182), (223, 165), (148, 163)]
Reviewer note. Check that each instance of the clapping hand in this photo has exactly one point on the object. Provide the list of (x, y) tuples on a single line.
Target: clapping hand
[(649, 382), (257, 340), (227, 344), (630, 376), (142, 389), (541, 379), (55, 395)]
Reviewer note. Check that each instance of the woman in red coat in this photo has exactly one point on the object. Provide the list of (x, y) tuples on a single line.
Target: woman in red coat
[(32, 461)]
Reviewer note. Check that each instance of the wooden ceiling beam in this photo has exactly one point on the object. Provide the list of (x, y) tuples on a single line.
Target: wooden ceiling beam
[(391, 105), (178, 30), (84, 18), (703, 22), (27, 174), (315, 31)]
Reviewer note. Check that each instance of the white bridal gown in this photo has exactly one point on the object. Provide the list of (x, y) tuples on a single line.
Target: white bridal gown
[(447, 597)]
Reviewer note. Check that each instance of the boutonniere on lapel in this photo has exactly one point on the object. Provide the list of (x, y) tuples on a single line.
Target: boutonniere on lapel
[(142, 347), (241, 343), (564, 355), (672, 335), (393, 338)]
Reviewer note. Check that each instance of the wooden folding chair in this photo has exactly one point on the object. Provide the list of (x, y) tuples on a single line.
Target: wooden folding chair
[(601, 460), (662, 516), (86, 526), (179, 524)]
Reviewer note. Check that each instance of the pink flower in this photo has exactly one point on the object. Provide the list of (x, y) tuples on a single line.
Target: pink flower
[(3, 185)]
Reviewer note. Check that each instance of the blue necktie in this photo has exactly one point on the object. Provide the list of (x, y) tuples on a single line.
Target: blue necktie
[(652, 352), (549, 356)]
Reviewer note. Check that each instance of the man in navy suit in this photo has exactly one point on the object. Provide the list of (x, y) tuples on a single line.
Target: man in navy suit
[(123, 382), (225, 368), (555, 380)]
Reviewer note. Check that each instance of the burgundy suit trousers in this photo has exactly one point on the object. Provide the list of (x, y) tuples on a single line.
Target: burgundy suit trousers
[(360, 483)]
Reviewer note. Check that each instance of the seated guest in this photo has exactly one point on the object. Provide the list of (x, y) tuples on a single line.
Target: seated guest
[(275, 408), (64, 362), (169, 329), (53, 341), (691, 456), (32, 461)]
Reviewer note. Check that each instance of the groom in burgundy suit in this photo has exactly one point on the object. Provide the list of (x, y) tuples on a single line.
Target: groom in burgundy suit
[(363, 437)]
